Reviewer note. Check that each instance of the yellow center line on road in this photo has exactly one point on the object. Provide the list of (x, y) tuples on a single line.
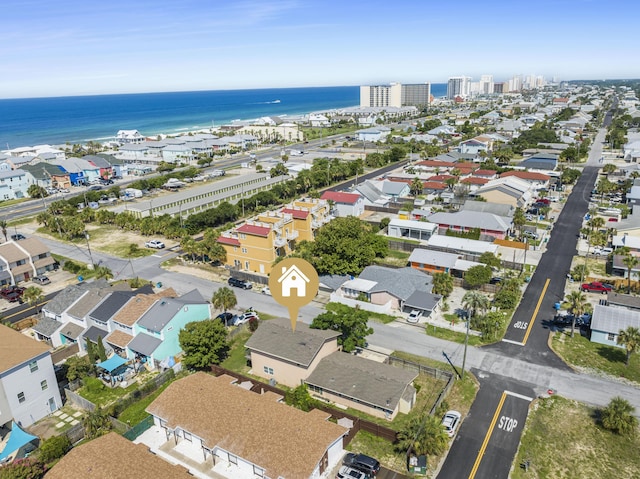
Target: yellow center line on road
[(487, 437), (535, 311), (22, 311)]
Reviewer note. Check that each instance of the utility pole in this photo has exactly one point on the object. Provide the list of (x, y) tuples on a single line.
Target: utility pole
[(86, 236), (466, 342)]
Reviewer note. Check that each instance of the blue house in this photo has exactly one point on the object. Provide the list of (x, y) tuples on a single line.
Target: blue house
[(608, 321), (155, 334)]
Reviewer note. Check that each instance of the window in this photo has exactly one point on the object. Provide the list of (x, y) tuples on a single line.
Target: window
[(187, 436), (44, 385), (33, 366), (233, 459), (268, 370), (246, 265), (244, 250), (21, 397), (611, 337)]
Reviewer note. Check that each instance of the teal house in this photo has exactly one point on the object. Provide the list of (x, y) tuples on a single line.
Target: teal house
[(155, 333)]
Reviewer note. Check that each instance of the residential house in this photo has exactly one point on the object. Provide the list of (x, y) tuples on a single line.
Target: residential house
[(344, 204), (489, 225), (156, 332), (499, 209), (111, 456), (13, 184), (625, 301), (129, 136), (374, 134), (372, 195), (276, 352), (469, 249), (308, 215), (255, 245), (393, 189), (28, 385), (80, 171), (541, 162), (132, 152), (47, 175), (375, 388), (178, 154), (216, 421), (509, 190), (24, 259), (608, 321), (474, 146), (19, 162), (100, 161), (388, 290), (431, 262), (538, 181), (411, 229)]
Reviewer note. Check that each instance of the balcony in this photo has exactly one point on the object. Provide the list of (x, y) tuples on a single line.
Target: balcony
[(281, 241)]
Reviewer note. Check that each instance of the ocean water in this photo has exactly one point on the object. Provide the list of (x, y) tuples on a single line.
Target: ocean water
[(55, 121)]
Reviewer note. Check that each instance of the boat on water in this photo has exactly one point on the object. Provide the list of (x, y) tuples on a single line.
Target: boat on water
[(275, 101)]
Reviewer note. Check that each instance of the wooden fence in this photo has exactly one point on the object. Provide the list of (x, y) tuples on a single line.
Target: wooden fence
[(358, 423), (60, 355)]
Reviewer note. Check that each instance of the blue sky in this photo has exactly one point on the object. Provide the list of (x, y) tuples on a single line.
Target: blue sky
[(71, 47)]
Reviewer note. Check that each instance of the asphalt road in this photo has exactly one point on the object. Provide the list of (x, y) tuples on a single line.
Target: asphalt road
[(21, 311), (488, 438)]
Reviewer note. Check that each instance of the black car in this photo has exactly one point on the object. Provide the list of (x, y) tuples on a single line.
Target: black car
[(227, 318), (17, 237), (106, 182), (362, 462), (240, 283)]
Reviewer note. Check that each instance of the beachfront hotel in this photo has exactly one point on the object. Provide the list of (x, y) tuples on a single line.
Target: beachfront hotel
[(395, 95)]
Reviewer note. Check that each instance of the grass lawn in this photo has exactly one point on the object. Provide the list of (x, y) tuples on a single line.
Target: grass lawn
[(136, 412), (236, 361), (449, 335), (102, 396), (366, 443), (13, 202), (123, 250), (562, 439), (21, 221), (381, 318), (579, 351)]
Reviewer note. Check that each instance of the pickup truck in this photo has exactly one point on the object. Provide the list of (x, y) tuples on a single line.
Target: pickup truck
[(596, 287)]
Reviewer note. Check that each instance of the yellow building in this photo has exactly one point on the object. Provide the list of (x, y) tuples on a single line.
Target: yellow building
[(255, 245)]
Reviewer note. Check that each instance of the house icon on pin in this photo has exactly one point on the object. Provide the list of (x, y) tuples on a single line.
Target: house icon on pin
[(293, 278)]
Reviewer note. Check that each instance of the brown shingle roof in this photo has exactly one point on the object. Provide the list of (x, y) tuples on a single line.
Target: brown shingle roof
[(16, 348), (112, 456), (11, 252), (283, 440), (89, 301), (135, 308), (33, 246), (119, 338)]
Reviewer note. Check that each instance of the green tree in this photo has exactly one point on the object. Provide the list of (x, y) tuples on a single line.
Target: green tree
[(300, 398), (474, 301), (96, 423), (279, 170), (618, 417), (3, 228), (422, 435), (33, 295), (519, 219), (53, 448), (27, 468), (630, 339), (577, 304), (102, 355), (36, 191), (630, 261), (416, 187), (79, 367), (224, 299), (490, 259), (478, 275), (350, 322), (91, 351), (204, 343), (609, 168), (344, 246), (102, 272), (442, 284)]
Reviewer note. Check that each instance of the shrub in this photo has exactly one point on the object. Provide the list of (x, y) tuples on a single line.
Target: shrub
[(54, 448)]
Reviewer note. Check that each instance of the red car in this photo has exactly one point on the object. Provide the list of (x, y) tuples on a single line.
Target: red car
[(596, 287)]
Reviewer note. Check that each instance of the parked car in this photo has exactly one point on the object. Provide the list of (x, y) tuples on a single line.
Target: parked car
[(346, 472), (12, 293), (362, 462), (42, 279), (17, 237), (266, 291), (414, 316), (451, 421), (530, 234), (106, 181), (596, 287), (227, 318), (245, 318), (239, 283), (157, 244), (94, 188)]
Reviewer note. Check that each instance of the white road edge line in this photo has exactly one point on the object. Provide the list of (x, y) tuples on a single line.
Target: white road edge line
[(526, 398), (513, 342)]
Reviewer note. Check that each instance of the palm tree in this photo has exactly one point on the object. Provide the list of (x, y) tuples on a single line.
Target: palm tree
[(630, 339), (519, 219), (102, 272), (423, 435), (618, 416), (416, 187), (474, 301), (33, 295), (224, 299), (442, 284), (3, 227), (577, 302), (630, 261), (596, 222)]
